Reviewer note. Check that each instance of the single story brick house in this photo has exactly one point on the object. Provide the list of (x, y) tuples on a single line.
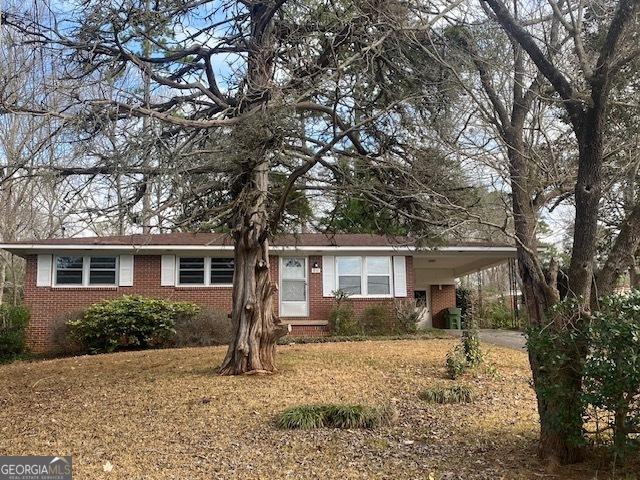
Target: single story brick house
[(64, 275)]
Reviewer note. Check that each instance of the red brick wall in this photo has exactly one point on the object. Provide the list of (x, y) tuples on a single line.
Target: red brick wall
[(442, 298), (48, 303)]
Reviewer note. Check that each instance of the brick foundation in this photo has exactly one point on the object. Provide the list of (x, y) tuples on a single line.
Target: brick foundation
[(51, 304), (309, 330)]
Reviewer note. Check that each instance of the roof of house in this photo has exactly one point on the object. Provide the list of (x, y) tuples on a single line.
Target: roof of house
[(456, 258), (221, 239)]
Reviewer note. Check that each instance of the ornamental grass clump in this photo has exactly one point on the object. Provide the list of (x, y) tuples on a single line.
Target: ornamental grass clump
[(444, 395), (343, 416)]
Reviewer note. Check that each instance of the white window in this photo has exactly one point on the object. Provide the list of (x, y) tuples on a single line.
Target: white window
[(349, 271), (221, 271), (74, 270), (205, 271), (69, 270), (191, 271), (378, 275), (364, 276), (102, 270)]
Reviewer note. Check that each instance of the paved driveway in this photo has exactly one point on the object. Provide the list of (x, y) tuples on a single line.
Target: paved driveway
[(502, 338)]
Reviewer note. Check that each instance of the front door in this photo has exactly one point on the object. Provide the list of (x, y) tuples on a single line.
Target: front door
[(423, 308), (293, 287)]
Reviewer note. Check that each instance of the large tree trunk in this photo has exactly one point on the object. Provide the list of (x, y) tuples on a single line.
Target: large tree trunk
[(587, 119), (256, 328), (560, 412), (540, 293)]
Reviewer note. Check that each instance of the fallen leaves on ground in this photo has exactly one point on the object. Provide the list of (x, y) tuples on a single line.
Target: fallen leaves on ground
[(166, 414)]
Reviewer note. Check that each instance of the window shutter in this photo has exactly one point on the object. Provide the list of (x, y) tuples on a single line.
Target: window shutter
[(125, 278), (399, 277), (43, 275), (168, 273), (328, 275)]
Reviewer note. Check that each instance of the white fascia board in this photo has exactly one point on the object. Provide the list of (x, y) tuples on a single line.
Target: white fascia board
[(278, 248), (128, 248)]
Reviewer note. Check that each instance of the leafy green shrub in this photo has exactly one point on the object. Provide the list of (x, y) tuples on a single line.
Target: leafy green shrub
[(335, 416), (13, 326), (205, 328), (612, 370), (497, 315), (64, 343), (129, 322), (456, 363), (406, 316), (556, 346), (376, 320), (455, 394)]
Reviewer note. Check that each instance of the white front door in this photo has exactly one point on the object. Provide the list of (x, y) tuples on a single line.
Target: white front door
[(423, 307), (293, 287)]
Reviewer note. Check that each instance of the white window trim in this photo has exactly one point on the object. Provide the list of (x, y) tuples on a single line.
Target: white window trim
[(364, 275), (207, 274), (86, 269)]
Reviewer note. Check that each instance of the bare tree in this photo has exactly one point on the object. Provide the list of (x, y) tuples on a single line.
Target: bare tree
[(586, 102)]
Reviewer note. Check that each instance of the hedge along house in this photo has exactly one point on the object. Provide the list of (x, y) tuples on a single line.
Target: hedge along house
[(64, 276)]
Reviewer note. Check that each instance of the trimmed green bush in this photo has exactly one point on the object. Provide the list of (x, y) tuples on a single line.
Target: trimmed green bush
[(376, 320), (455, 394), (13, 326), (129, 322), (335, 416)]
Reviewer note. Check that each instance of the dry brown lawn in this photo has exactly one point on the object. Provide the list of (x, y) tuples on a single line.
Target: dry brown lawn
[(165, 414)]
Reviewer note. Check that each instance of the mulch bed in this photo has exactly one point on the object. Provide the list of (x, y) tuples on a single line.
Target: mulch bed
[(166, 414)]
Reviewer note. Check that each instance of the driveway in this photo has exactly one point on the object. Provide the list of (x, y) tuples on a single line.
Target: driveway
[(502, 338)]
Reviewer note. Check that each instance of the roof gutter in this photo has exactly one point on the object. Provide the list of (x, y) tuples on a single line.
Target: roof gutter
[(277, 248)]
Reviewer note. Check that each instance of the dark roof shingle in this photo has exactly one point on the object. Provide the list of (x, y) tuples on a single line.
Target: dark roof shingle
[(220, 239)]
